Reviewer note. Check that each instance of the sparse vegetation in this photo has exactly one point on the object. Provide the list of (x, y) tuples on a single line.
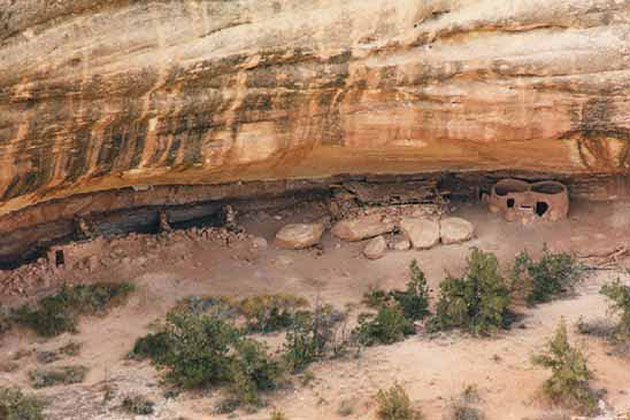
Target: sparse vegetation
[(71, 349), (278, 415), (619, 295), (261, 313), (15, 405), (345, 408), (138, 404), (311, 337), (253, 370), (388, 326), (201, 347), (555, 274), (54, 315), (270, 313), (394, 404), (414, 301), (49, 356), (46, 357), (463, 407), (478, 301), (397, 311), (202, 351), (462, 411), (66, 375), (568, 385), (152, 346)]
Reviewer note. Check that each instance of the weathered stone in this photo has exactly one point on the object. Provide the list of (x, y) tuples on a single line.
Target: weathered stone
[(401, 244), (375, 248), (455, 230), (362, 228), (259, 243), (299, 235), (422, 233)]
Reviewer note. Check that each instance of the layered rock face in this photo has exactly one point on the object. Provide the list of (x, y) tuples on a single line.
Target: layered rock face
[(101, 94)]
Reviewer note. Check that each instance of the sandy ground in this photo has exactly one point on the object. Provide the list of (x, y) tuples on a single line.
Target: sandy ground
[(433, 371)]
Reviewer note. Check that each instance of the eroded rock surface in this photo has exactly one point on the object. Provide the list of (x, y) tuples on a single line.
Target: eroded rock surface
[(422, 233), (97, 95), (375, 248), (299, 235), (357, 229), (455, 230)]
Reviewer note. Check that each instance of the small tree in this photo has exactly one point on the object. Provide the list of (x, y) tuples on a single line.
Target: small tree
[(619, 294), (478, 301), (387, 327), (414, 301), (569, 382), (310, 336), (540, 281), (198, 352)]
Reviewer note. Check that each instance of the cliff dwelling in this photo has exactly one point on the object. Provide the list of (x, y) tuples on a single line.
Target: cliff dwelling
[(520, 200), (272, 209)]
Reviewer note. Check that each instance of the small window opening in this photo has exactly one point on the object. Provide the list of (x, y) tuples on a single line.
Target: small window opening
[(59, 258), (541, 208), (510, 203)]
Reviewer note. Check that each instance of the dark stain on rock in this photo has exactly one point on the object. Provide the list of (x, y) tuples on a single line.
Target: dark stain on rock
[(143, 127), (593, 130)]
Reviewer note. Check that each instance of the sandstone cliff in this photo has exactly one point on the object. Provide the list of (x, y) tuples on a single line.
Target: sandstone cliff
[(99, 94)]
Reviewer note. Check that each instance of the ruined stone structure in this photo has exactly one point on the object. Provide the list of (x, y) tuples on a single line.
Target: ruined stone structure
[(520, 200), (80, 253)]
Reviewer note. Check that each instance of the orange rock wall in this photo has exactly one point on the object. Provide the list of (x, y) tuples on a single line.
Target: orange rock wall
[(101, 94)]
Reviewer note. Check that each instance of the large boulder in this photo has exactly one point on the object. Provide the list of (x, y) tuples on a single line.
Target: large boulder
[(299, 235), (454, 230), (362, 228), (422, 233), (375, 248)]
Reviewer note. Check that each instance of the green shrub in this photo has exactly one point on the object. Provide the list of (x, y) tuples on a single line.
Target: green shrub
[(46, 357), (345, 408), (310, 337), (198, 350), (463, 411), (387, 327), (553, 275), (65, 375), (463, 408), (375, 297), (201, 351), (218, 306), (138, 404), (278, 415), (413, 301), (54, 315), (394, 404), (478, 301), (14, 405), (569, 382), (71, 349), (152, 346), (619, 294), (270, 313), (253, 371)]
